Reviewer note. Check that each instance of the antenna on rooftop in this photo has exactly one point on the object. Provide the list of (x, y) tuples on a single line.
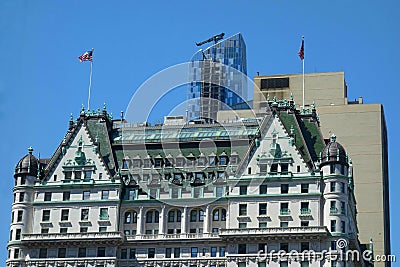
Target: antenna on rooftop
[(215, 38)]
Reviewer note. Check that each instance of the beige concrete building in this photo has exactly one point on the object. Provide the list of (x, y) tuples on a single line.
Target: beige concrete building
[(360, 127)]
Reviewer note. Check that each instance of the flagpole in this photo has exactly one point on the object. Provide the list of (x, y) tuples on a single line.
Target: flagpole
[(303, 86), (90, 80), (303, 75)]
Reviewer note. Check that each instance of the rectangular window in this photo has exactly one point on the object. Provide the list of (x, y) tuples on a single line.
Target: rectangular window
[(242, 248), (333, 186), (101, 252), (284, 224), (342, 207), (19, 216), (284, 168), (67, 175), (196, 192), (151, 252), (262, 225), (242, 209), (83, 230), (46, 215), (63, 230), (274, 169), (103, 213), (84, 214), (222, 251), (47, 196), (132, 253), (243, 190), (44, 230), (242, 225), (87, 176), (284, 188), (16, 253), (332, 168), (213, 251), (66, 196), (64, 215), (18, 234), (262, 209), (177, 253), (194, 252), (62, 252), (168, 252), (304, 188), (124, 253), (86, 195), (304, 246), (284, 246), (21, 197), (219, 191), (42, 253), (304, 223), (333, 225), (342, 187), (77, 175), (274, 83), (105, 194), (174, 192), (263, 189)]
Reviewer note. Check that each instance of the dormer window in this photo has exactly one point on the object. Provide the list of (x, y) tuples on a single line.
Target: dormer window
[(180, 161), (212, 160), (223, 160), (190, 160), (147, 162), (125, 164), (158, 163), (234, 160), (274, 168)]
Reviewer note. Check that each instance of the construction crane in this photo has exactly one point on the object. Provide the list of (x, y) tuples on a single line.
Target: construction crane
[(215, 38)]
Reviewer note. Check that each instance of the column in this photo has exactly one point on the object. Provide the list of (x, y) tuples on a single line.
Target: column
[(206, 225), (140, 221), (161, 223), (184, 220)]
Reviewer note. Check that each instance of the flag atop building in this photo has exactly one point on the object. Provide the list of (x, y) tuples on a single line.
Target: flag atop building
[(301, 51), (87, 56)]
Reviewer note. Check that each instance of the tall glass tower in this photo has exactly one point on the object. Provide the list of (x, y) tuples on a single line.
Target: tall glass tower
[(217, 76)]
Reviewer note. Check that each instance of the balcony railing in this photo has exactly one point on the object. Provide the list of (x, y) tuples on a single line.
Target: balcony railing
[(284, 212), (320, 230), (172, 236), (70, 236), (305, 211), (70, 262)]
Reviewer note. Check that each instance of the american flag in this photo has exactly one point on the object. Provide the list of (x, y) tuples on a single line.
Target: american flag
[(87, 56), (301, 51)]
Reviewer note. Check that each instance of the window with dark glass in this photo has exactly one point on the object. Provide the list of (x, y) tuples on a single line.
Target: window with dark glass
[(216, 215), (343, 226), (101, 252), (304, 246), (304, 188), (304, 223), (262, 209), (87, 175), (284, 246), (342, 187), (211, 161), (284, 168), (105, 194), (46, 215), (132, 253), (284, 188), (201, 215), (151, 252), (77, 175), (158, 163), (64, 215), (193, 252), (66, 195), (103, 214), (242, 248), (19, 216), (125, 164), (263, 189), (223, 160), (222, 251), (168, 252), (67, 175), (213, 251), (274, 83), (274, 168), (18, 234), (333, 186), (332, 168), (177, 253), (84, 214), (47, 196), (62, 252), (242, 209), (21, 197), (333, 225), (42, 253), (124, 253), (16, 253), (243, 190), (149, 217), (86, 195), (23, 180)]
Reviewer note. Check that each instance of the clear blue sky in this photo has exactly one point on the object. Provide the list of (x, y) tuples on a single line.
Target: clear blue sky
[(42, 82)]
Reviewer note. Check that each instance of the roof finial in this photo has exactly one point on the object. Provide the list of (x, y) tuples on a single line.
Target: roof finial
[(71, 117), (30, 150), (291, 96), (104, 106)]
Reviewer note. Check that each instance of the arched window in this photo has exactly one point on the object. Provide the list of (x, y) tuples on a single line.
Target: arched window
[(193, 215), (156, 216), (171, 216), (128, 217), (216, 215), (178, 215), (219, 214), (149, 216)]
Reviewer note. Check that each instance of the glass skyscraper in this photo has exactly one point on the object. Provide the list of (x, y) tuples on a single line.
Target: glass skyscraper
[(218, 78)]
